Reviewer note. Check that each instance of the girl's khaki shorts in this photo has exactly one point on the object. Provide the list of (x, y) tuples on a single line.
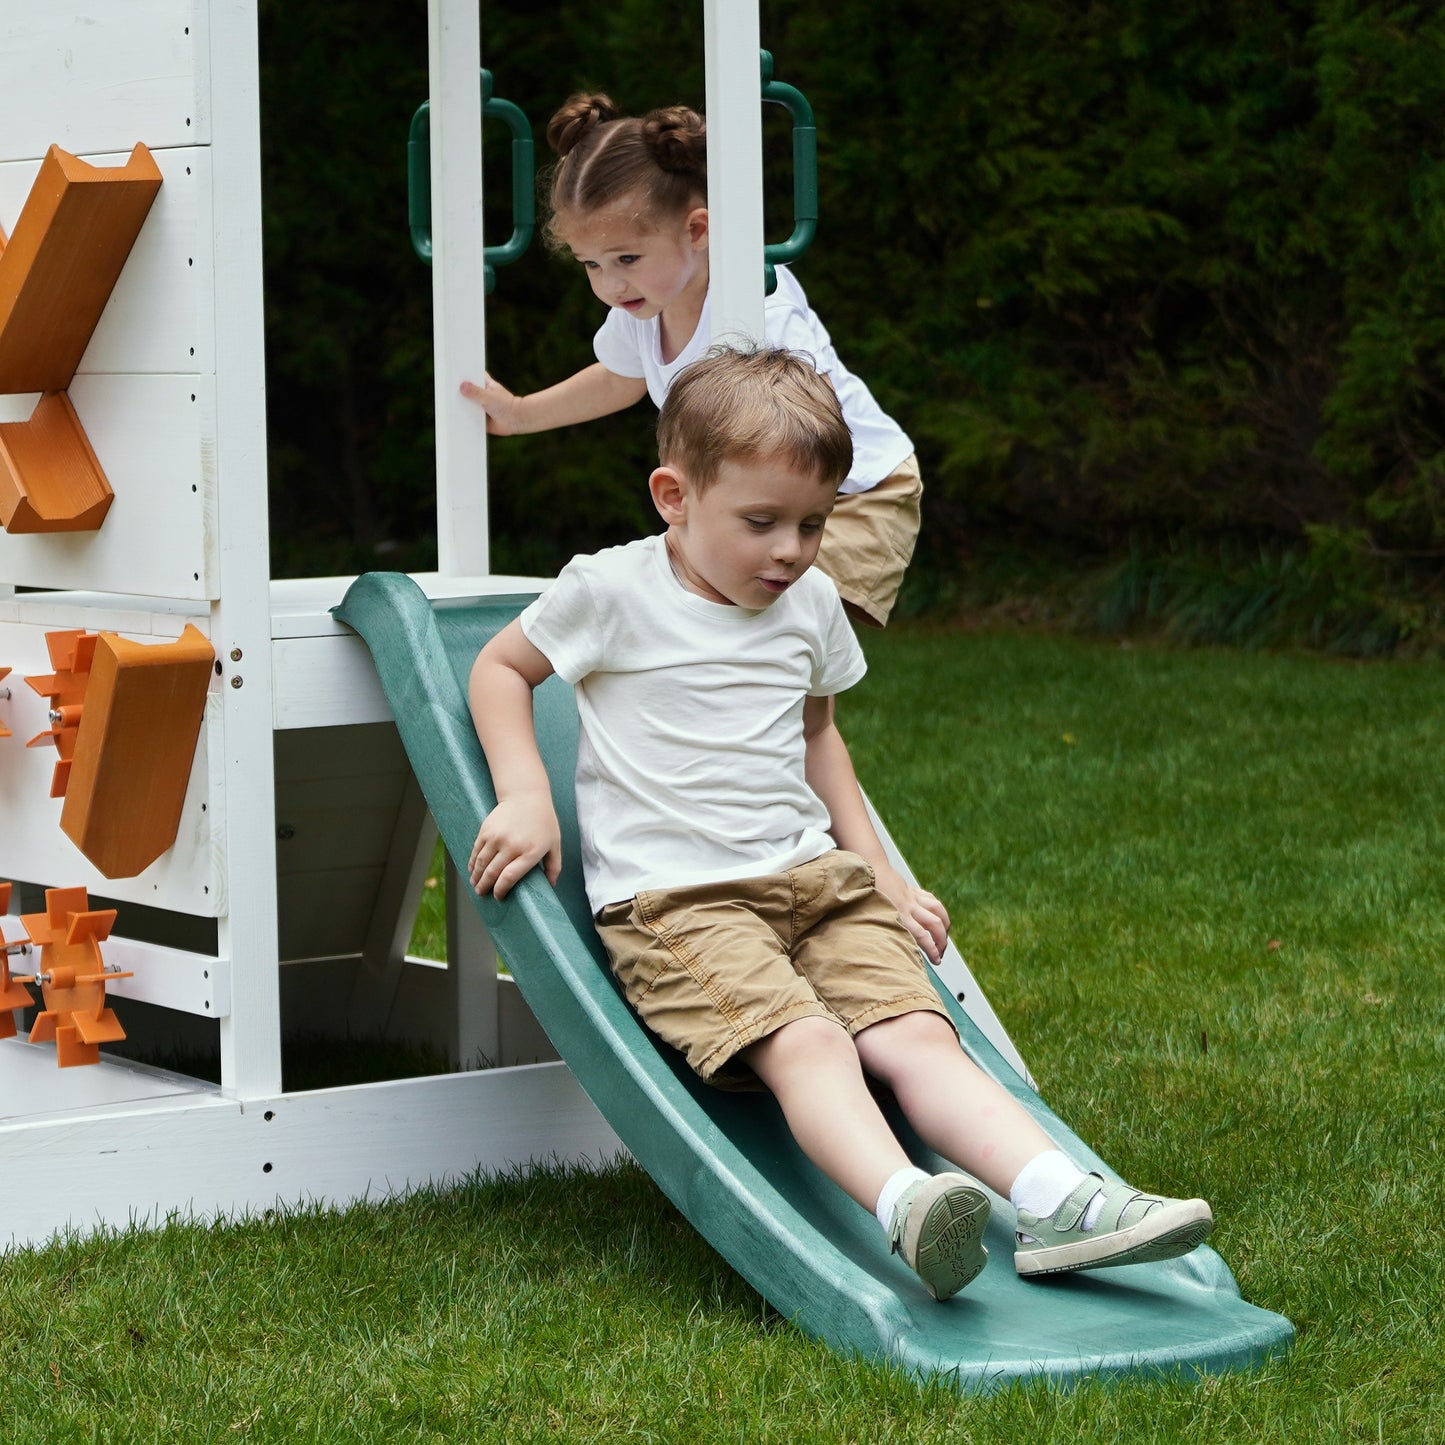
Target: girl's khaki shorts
[(868, 543)]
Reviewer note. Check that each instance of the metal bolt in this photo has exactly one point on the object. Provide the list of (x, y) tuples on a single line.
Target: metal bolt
[(238, 682), (235, 654)]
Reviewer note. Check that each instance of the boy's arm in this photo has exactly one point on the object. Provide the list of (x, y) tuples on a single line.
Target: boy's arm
[(522, 830), (831, 776), (592, 392)]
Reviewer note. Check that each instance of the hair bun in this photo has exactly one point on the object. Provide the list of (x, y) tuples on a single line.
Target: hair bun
[(676, 136), (577, 115)]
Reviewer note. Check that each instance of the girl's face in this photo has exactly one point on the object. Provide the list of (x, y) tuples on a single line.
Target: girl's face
[(640, 265)]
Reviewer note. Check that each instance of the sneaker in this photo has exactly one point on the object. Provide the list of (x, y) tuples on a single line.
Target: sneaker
[(1131, 1228), (938, 1227)]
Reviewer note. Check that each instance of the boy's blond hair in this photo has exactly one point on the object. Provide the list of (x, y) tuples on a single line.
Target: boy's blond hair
[(746, 405)]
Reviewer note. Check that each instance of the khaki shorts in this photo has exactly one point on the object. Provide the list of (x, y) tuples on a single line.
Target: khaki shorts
[(714, 968), (868, 543)]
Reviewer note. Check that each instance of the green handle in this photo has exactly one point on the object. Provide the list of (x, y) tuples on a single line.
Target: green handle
[(524, 206), (805, 172)]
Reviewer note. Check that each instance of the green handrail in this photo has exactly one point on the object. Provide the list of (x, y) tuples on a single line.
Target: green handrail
[(805, 172), (524, 204)]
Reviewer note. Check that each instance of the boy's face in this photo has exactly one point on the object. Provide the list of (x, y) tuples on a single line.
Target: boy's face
[(639, 269), (750, 535)]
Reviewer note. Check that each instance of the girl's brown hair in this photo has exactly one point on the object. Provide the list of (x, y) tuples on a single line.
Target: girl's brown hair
[(604, 156)]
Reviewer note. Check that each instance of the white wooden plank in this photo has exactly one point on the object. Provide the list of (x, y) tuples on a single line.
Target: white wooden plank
[(195, 983), (458, 299), (202, 1156), (159, 316), (735, 170), (322, 673), (152, 435), (33, 1088), (324, 682), (139, 617), (102, 75), (251, 1033), (472, 969), (301, 606)]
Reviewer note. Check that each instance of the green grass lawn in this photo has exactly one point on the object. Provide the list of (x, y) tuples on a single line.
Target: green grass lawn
[(1204, 892)]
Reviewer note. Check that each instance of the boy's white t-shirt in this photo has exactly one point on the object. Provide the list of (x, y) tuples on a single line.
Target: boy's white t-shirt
[(629, 347), (690, 760)]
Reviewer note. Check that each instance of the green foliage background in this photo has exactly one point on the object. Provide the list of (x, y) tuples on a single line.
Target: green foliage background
[(1135, 277)]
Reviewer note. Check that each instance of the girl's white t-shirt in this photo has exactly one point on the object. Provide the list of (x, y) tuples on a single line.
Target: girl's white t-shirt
[(690, 759), (629, 347)]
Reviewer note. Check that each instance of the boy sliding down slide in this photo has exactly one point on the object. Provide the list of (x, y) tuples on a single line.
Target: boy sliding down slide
[(743, 896)]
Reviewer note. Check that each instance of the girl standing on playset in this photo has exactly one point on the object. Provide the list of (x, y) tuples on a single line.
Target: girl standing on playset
[(629, 201)]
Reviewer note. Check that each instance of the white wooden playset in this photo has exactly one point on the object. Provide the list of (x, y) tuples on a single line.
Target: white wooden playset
[(216, 837)]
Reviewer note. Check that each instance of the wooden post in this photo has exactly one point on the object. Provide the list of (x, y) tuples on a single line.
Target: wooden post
[(734, 169), (458, 287)]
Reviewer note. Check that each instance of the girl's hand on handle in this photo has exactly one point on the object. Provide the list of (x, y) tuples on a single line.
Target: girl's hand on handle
[(499, 404), (515, 836)]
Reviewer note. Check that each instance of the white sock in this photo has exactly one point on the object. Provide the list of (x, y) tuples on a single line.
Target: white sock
[(892, 1188), (1046, 1181)]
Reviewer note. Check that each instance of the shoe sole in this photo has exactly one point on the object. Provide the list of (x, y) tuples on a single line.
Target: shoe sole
[(1161, 1234), (947, 1246)]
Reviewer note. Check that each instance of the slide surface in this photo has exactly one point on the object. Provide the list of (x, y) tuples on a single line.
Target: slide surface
[(726, 1160)]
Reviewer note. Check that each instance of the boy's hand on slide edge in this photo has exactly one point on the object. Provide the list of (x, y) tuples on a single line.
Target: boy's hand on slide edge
[(517, 834), (925, 917), (499, 404)]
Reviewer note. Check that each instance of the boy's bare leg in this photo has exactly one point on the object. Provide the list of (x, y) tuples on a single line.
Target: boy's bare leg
[(957, 1109), (812, 1068), (936, 1223)]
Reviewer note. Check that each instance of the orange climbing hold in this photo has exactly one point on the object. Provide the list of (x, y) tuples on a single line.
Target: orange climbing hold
[(50, 479), (125, 717), (134, 749), (72, 976), (71, 654), (62, 261), (56, 275), (13, 994)]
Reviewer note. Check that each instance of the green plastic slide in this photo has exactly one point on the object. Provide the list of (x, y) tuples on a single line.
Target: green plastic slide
[(727, 1160)]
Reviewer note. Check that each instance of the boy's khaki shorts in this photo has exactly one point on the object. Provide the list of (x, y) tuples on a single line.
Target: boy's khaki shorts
[(714, 968), (868, 543)]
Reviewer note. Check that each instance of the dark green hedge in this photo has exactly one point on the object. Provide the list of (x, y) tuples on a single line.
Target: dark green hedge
[(1124, 270)]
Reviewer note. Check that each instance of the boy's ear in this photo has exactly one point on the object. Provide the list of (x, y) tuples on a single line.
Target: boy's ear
[(697, 228), (668, 495)]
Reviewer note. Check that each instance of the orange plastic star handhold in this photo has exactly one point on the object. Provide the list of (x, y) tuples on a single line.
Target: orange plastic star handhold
[(72, 976)]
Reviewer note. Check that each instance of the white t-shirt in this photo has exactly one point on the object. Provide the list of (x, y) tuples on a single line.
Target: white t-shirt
[(629, 347), (690, 761)]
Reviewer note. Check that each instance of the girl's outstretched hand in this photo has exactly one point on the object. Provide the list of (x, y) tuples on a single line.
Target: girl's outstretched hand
[(499, 404)]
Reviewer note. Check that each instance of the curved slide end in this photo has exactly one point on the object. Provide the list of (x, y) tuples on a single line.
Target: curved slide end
[(727, 1160)]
